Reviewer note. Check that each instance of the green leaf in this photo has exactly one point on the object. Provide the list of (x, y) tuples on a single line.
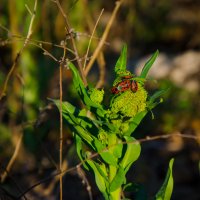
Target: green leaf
[(121, 62), (102, 170), (118, 150), (85, 135), (165, 191), (115, 145), (148, 65), (78, 83), (135, 122), (81, 124), (66, 112), (132, 152), (157, 94), (152, 101), (79, 149), (105, 154), (99, 179), (118, 180), (74, 121)]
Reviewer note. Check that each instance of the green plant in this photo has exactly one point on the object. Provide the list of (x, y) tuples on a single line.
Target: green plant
[(108, 130)]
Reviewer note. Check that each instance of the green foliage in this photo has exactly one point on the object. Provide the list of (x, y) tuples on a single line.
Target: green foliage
[(120, 66), (148, 65), (165, 191), (128, 103), (118, 180), (107, 129), (129, 157)]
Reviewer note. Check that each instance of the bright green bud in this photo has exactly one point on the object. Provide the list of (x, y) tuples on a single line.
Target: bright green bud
[(117, 122), (96, 95), (124, 127), (103, 136), (129, 103)]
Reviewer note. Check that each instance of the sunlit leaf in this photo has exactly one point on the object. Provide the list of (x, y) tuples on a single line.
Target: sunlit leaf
[(157, 94), (100, 180), (135, 122), (148, 65), (132, 152), (115, 146), (79, 149), (105, 155), (118, 180), (121, 62), (165, 191), (85, 135), (74, 116), (82, 91), (102, 170)]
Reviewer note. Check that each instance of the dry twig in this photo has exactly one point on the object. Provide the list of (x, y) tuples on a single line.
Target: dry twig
[(85, 181), (103, 39), (12, 160), (69, 30), (147, 139), (30, 31), (86, 55), (100, 58)]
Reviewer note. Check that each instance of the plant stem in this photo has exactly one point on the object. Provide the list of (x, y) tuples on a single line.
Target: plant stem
[(61, 134), (104, 37), (29, 34), (115, 195)]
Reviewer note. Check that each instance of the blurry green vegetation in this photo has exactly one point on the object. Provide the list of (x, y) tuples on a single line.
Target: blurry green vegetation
[(179, 110), (180, 107), (168, 25)]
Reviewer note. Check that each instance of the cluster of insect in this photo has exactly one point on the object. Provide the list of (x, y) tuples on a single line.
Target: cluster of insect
[(126, 83)]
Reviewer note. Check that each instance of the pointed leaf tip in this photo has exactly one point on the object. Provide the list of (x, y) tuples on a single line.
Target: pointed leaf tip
[(149, 64), (165, 191), (121, 62)]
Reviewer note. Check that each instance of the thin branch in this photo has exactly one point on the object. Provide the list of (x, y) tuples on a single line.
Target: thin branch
[(34, 41), (30, 12), (92, 38), (61, 119), (3, 93), (147, 139), (85, 181), (72, 40), (30, 30), (61, 130), (17, 186), (45, 180), (103, 39), (102, 70), (13, 158), (100, 58), (6, 29)]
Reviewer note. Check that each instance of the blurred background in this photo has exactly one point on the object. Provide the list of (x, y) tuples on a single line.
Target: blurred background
[(29, 123)]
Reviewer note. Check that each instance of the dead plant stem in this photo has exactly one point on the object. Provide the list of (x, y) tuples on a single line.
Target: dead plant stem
[(30, 31), (86, 56), (147, 139), (61, 121), (69, 30), (13, 158), (100, 58), (61, 132), (103, 39)]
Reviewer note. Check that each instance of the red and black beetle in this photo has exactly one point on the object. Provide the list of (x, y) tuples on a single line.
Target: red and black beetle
[(124, 85)]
